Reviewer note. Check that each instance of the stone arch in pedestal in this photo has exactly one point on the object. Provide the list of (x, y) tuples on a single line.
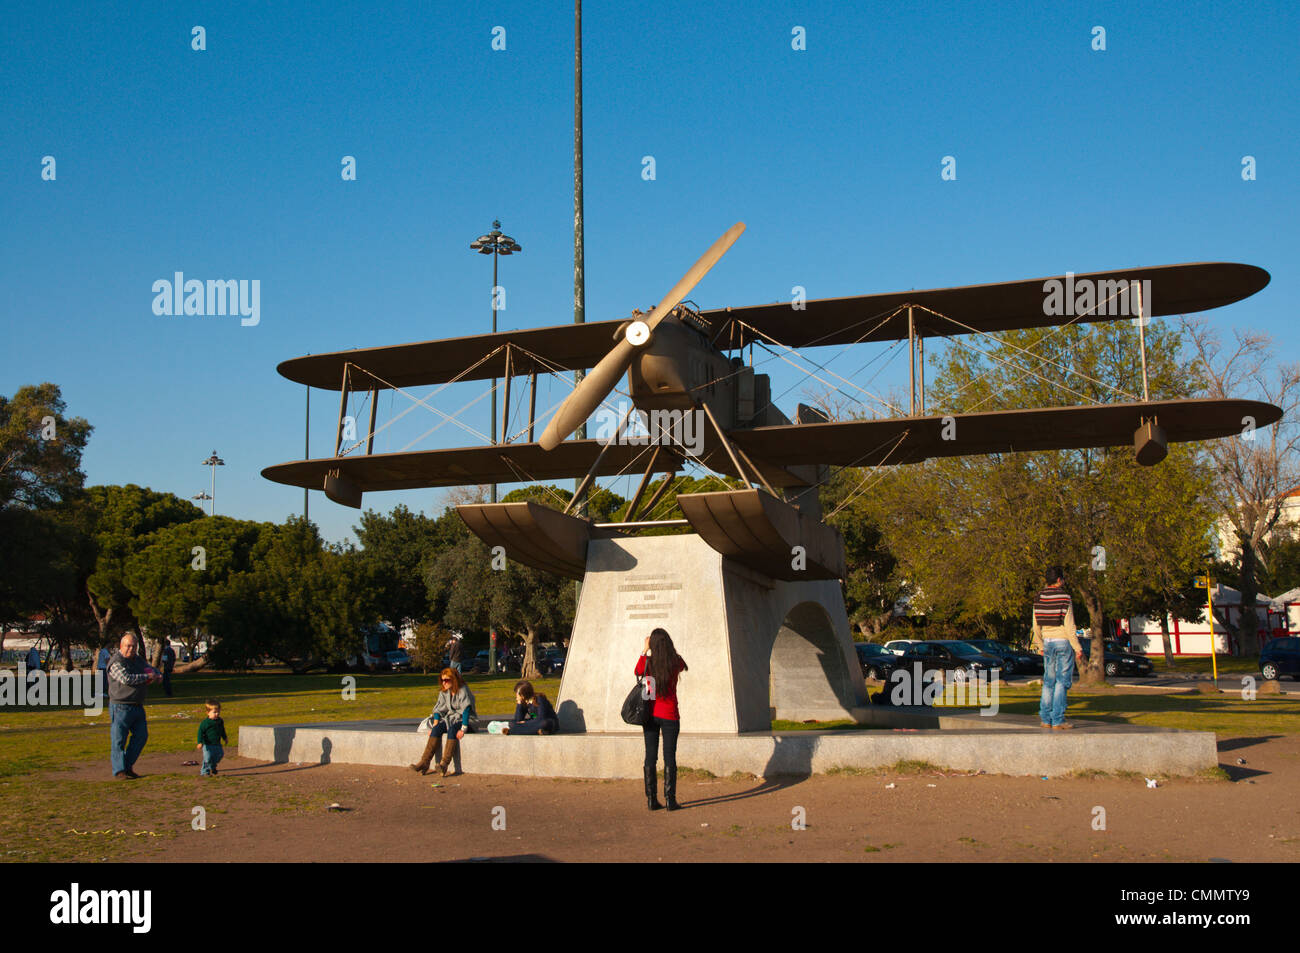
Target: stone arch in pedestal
[(809, 676)]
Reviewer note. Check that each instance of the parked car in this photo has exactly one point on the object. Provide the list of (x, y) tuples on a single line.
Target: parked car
[(1117, 661), (1280, 657), (1015, 660), (551, 662), (373, 661), (399, 661), (950, 656), (468, 663), (899, 646), (877, 661)]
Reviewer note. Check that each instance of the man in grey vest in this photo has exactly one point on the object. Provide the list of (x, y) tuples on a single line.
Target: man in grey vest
[(128, 680)]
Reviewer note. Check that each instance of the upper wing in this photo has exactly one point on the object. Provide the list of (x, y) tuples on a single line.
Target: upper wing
[(866, 443), (1175, 289), (562, 347)]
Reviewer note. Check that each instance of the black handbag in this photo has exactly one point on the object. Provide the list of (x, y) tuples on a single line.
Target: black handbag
[(637, 709)]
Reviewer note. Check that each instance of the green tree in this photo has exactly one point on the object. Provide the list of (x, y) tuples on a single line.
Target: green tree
[(974, 533), (43, 543), (522, 602), (1256, 471), (40, 448), (1168, 543), (875, 583), (430, 643), (394, 546), (299, 603), (176, 578), (125, 517), (1280, 571), (57, 553)]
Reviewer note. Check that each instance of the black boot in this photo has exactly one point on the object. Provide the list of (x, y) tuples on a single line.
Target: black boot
[(651, 789), (670, 787)]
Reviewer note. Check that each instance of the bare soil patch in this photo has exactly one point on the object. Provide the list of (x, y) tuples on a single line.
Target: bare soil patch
[(276, 812)]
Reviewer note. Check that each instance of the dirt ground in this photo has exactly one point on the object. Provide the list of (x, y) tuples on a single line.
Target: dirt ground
[(282, 813)]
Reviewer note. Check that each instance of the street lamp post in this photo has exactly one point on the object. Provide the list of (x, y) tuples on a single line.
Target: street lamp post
[(494, 244), (213, 461)]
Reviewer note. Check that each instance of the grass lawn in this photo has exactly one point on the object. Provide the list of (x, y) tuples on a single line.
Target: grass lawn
[(83, 819), (1228, 665), (36, 738), (1224, 713)]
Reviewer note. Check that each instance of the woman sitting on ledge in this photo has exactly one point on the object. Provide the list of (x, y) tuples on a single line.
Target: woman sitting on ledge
[(533, 713), (453, 715)]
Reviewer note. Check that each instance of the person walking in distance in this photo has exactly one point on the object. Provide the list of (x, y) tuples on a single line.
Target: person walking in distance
[(1054, 637), (168, 663), (128, 681), (661, 665), (453, 652)]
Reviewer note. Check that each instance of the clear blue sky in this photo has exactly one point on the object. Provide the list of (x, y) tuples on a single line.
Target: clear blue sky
[(225, 163)]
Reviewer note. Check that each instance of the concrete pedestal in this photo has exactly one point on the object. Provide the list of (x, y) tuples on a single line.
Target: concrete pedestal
[(757, 648)]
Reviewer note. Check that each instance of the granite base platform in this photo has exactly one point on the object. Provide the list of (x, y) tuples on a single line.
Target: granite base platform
[(1005, 744)]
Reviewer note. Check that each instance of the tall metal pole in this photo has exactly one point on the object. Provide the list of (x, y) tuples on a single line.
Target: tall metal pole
[(920, 353), (214, 461), (1142, 347), (579, 279), (911, 363), (494, 380), (306, 446), (495, 244)]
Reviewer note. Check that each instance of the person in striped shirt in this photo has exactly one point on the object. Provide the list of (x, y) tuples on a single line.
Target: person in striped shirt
[(1054, 637)]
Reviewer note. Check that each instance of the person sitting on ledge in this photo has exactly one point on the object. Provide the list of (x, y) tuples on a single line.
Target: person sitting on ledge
[(453, 715), (533, 713)]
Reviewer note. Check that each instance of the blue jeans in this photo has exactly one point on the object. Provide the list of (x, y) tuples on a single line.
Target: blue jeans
[(443, 728), (535, 726), (1058, 670), (127, 720), (211, 755)]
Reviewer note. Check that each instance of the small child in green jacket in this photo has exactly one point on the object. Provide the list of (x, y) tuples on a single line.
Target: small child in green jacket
[(212, 731)]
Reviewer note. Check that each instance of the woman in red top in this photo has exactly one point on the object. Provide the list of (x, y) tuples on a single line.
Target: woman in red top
[(661, 665)]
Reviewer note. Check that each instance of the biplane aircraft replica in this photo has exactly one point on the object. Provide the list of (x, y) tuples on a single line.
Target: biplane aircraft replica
[(679, 359)]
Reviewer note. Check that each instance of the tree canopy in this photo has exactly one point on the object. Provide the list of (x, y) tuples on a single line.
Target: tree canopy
[(974, 534)]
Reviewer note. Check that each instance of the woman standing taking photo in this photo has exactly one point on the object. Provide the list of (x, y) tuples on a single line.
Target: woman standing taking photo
[(661, 665)]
